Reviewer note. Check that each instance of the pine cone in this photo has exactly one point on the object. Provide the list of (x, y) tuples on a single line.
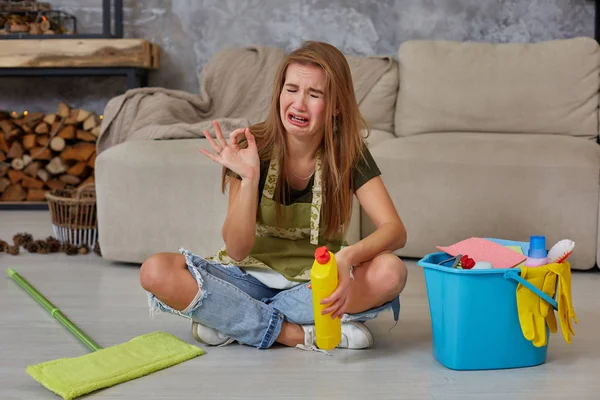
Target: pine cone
[(14, 250), (53, 244), (70, 249), (43, 247), (97, 249), (22, 239), (84, 249), (3, 246), (18, 239), (32, 247)]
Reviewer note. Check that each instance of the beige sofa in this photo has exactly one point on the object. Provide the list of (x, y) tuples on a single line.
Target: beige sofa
[(473, 139)]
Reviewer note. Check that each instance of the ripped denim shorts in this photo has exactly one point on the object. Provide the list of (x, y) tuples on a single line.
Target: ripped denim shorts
[(240, 306)]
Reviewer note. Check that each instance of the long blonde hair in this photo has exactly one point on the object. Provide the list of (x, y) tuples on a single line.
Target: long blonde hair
[(341, 150)]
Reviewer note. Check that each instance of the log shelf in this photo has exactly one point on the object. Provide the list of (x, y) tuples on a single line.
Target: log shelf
[(129, 58)]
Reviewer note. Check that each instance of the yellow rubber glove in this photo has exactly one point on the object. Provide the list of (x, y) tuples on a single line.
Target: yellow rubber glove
[(533, 323), (546, 309), (566, 312)]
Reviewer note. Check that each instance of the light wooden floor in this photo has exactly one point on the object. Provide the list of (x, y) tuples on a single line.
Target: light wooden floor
[(106, 301)]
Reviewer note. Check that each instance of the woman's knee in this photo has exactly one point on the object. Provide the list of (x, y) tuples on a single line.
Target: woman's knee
[(155, 269), (392, 274)]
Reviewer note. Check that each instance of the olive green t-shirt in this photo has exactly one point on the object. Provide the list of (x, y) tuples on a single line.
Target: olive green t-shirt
[(365, 170)]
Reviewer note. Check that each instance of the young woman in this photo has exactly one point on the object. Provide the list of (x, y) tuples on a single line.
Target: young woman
[(291, 182)]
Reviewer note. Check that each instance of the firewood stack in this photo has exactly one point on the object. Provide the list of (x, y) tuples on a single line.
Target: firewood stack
[(40, 152), (31, 17), (24, 5)]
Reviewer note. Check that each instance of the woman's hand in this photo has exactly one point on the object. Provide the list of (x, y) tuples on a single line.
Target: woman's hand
[(338, 300), (244, 162)]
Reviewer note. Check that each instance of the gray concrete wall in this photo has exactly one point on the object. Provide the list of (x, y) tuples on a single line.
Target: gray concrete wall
[(191, 31)]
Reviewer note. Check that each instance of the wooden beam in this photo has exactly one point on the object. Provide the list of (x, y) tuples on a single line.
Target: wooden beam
[(44, 53), (155, 55)]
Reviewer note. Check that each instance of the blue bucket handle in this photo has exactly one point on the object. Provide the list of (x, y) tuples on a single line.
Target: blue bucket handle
[(514, 275)]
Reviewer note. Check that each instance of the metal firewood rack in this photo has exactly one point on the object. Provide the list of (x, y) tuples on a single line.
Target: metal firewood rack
[(112, 28)]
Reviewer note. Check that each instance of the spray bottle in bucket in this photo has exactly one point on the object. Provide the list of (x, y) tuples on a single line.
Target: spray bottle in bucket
[(324, 281)]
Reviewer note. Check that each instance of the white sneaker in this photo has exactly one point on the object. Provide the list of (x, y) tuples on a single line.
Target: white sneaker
[(355, 335), (210, 336)]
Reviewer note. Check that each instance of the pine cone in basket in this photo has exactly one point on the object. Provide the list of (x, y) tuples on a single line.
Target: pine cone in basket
[(3, 246), (22, 239), (14, 250), (53, 244)]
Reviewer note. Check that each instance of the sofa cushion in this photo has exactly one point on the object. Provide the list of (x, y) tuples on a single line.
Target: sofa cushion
[(158, 195), (377, 107), (546, 87), (451, 187), (377, 136)]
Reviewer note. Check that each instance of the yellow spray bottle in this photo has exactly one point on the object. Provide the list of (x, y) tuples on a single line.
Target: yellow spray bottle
[(324, 281)]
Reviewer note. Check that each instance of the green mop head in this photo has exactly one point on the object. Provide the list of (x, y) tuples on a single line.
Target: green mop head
[(73, 377)]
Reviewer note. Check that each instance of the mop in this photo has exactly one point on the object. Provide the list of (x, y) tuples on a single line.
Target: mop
[(104, 367)]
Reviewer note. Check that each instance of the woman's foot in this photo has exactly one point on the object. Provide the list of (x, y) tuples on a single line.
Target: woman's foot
[(210, 336), (355, 335)]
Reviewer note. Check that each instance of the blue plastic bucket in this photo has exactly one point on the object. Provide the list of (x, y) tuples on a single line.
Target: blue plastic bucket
[(474, 317)]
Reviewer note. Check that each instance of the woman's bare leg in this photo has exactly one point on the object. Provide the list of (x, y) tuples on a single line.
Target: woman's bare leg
[(291, 334), (166, 276), (376, 282)]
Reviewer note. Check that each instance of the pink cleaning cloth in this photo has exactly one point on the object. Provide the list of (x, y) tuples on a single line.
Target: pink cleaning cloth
[(480, 249)]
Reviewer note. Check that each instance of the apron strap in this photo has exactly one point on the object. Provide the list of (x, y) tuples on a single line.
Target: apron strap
[(317, 200), (271, 181)]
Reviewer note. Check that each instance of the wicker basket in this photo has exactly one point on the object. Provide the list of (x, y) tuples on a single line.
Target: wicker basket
[(73, 213)]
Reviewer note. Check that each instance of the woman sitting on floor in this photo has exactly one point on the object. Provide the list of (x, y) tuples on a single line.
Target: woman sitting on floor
[(291, 181)]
